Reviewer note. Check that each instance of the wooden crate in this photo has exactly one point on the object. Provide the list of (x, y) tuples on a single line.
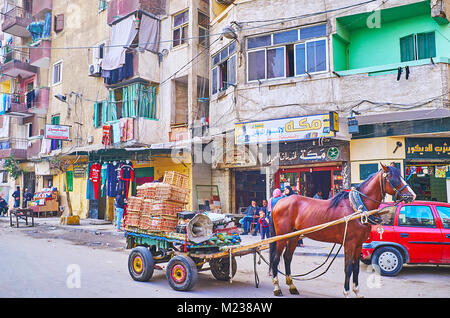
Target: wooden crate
[(134, 203), (158, 223), (133, 217), (176, 179), (161, 207)]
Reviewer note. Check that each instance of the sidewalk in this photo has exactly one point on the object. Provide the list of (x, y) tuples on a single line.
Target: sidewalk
[(311, 247)]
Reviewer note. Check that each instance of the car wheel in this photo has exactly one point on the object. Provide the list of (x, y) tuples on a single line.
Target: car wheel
[(388, 261)]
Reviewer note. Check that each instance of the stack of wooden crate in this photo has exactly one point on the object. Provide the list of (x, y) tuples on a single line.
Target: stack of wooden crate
[(161, 202)]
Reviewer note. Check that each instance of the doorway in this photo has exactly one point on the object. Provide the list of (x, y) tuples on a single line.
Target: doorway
[(307, 181), (250, 186)]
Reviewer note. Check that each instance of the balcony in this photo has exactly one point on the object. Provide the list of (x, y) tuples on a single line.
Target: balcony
[(16, 22), (40, 54), (17, 64), (40, 8), (16, 147)]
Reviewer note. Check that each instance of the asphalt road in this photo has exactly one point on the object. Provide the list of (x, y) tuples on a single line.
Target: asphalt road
[(49, 262)]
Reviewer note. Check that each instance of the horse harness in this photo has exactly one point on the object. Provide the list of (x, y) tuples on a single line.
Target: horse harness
[(358, 205)]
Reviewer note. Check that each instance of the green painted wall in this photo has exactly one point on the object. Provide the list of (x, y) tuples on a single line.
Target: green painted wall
[(380, 46)]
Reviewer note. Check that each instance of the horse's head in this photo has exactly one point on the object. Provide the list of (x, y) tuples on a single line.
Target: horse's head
[(395, 185)]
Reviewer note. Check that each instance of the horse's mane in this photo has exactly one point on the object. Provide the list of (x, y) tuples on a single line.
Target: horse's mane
[(344, 194)]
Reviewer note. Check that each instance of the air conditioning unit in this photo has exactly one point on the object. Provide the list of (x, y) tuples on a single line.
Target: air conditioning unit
[(95, 70)]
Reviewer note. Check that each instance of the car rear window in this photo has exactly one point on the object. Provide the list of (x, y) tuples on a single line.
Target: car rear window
[(416, 215), (444, 214)]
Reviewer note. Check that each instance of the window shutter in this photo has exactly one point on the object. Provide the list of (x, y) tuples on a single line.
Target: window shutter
[(407, 48), (426, 46), (59, 22)]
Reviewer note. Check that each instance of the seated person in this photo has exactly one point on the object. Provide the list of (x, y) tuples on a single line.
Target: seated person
[(251, 214), (3, 206)]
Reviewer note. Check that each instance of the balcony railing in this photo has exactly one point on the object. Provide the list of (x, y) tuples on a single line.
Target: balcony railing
[(16, 63), (16, 147), (16, 21)]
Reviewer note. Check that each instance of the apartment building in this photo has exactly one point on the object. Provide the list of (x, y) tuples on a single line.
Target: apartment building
[(120, 89), (313, 95)]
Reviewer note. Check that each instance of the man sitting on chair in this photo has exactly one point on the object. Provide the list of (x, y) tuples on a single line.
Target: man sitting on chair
[(251, 215)]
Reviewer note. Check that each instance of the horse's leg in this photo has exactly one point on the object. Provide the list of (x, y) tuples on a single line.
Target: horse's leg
[(355, 266), (348, 269), (290, 248), (275, 261)]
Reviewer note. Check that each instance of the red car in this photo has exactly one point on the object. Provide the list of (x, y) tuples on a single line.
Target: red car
[(417, 233)]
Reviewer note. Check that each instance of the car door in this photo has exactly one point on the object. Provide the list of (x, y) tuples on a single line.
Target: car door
[(444, 216), (417, 231)]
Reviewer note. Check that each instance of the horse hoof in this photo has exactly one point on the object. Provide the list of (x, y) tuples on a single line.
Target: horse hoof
[(294, 291), (277, 293), (346, 294)]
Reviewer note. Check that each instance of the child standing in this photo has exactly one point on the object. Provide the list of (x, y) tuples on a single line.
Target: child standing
[(263, 225)]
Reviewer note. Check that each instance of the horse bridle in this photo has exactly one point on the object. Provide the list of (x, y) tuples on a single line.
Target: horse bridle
[(397, 195)]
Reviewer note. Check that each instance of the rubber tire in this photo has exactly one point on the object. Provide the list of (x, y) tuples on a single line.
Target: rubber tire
[(220, 268), (190, 271), (148, 264), (387, 251)]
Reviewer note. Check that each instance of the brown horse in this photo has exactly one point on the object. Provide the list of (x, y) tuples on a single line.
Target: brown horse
[(296, 212)]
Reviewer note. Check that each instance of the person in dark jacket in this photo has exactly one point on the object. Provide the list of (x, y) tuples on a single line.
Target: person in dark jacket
[(27, 197), (16, 196), (120, 205), (3, 206)]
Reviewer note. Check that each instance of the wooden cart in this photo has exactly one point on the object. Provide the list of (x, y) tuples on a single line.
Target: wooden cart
[(185, 260)]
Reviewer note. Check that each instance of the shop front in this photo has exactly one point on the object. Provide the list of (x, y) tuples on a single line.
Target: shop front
[(309, 168), (427, 168)]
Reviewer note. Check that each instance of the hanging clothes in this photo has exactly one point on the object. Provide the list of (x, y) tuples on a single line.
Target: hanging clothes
[(89, 186), (106, 138), (118, 170), (112, 181), (95, 177), (127, 176), (104, 176)]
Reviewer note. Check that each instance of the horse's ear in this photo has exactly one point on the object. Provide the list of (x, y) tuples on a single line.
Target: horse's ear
[(386, 169)]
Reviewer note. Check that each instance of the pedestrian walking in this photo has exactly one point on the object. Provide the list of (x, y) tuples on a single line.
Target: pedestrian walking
[(120, 205)]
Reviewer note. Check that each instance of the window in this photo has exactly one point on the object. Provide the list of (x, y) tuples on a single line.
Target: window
[(302, 51), (224, 68), (416, 215), (365, 170), (131, 101), (57, 73), (444, 214), (417, 46), (102, 5), (180, 28), (203, 27), (56, 144)]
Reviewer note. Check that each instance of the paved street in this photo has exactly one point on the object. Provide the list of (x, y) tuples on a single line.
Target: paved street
[(90, 261)]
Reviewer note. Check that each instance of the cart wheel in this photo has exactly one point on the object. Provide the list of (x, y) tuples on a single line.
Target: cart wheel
[(141, 264), (181, 273), (220, 268)]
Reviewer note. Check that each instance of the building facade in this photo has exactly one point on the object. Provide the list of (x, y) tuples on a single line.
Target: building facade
[(381, 67), (119, 88)]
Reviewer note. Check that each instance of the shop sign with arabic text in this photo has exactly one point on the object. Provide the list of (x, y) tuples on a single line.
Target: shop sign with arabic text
[(287, 129), (428, 148)]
